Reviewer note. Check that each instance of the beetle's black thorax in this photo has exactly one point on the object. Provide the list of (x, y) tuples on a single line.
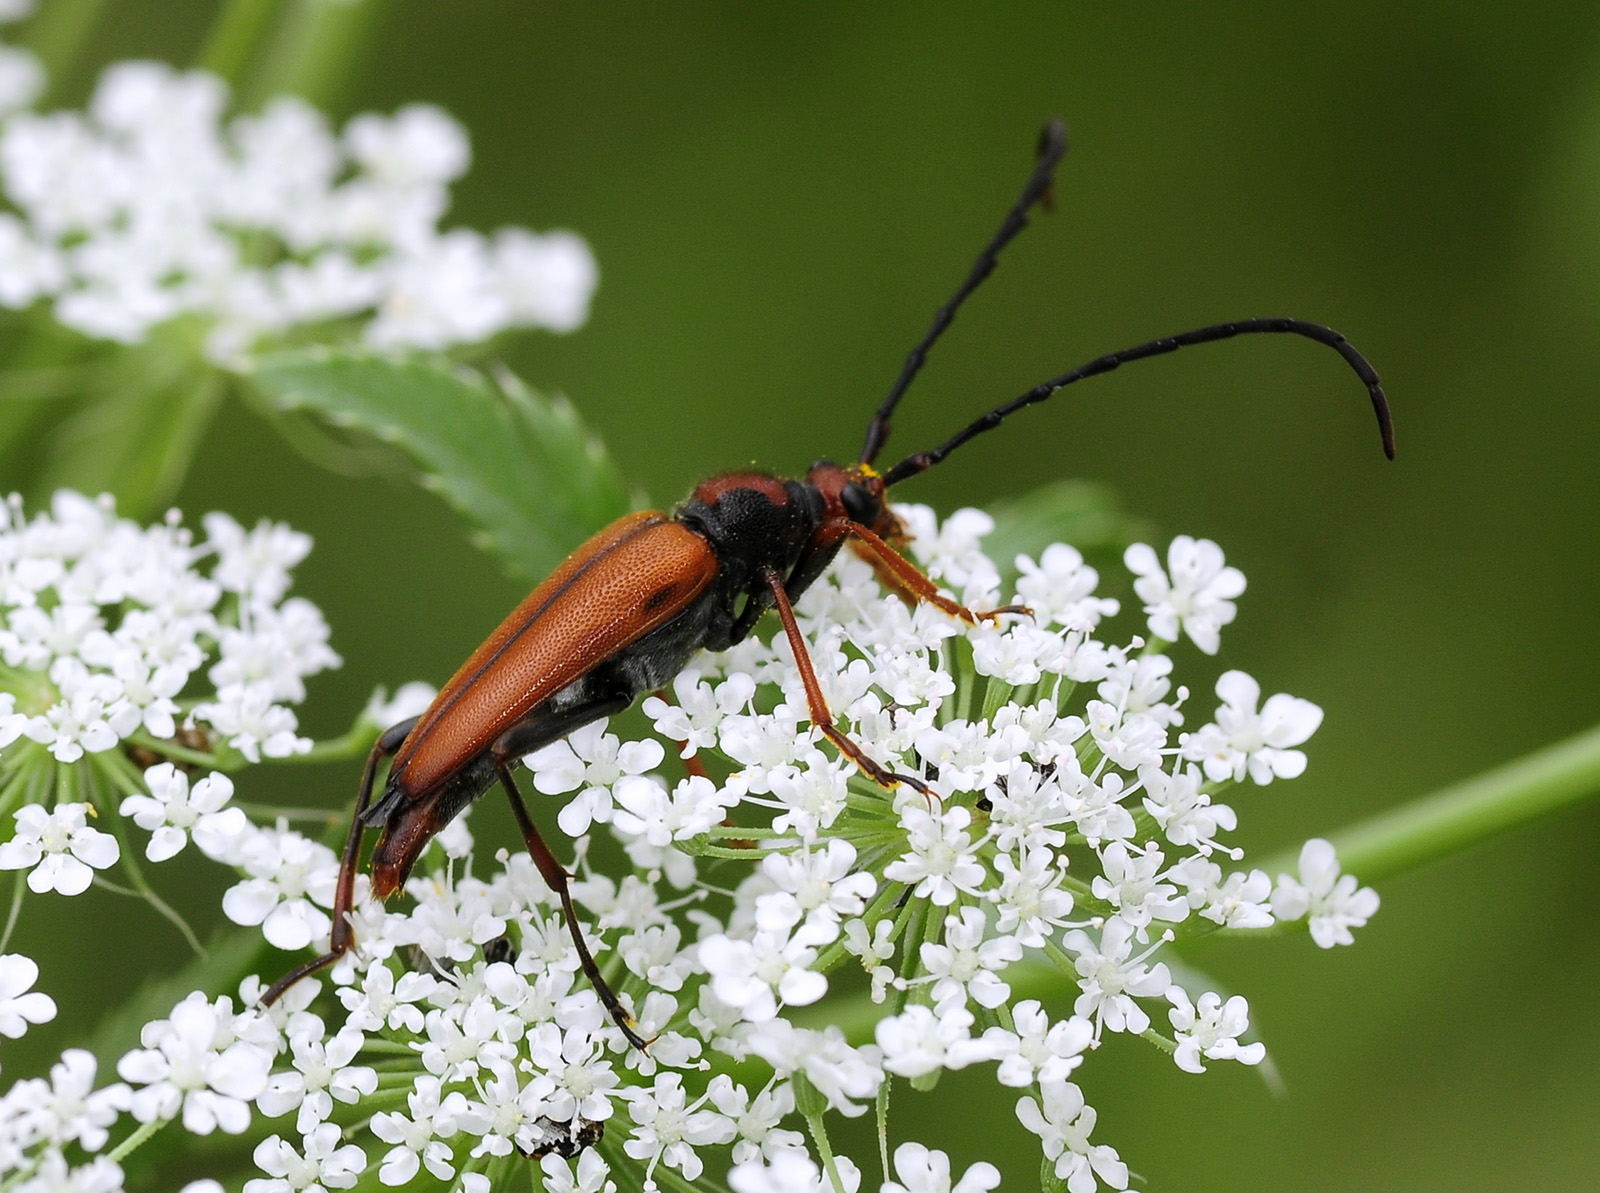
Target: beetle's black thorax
[(754, 523)]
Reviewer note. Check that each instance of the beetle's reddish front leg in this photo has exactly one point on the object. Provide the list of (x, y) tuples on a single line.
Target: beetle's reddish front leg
[(899, 574), (817, 705), (343, 937)]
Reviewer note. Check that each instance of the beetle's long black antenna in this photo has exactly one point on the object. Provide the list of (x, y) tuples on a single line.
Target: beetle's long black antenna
[(1052, 145), (922, 461)]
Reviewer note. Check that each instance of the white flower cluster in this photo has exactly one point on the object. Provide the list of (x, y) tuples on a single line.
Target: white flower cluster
[(104, 627), (203, 1066), (1073, 834), (1011, 919), (148, 207)]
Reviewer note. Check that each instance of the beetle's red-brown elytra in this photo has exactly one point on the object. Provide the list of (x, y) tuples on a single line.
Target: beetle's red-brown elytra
[(640, 572)]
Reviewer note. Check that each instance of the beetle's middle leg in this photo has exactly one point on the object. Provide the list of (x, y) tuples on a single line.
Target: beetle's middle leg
[(817, 704), (524, 738)]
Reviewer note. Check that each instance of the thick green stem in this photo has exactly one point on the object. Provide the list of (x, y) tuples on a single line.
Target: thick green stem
[(58, 33), (312, 52), (234, 36), (1467, 813)]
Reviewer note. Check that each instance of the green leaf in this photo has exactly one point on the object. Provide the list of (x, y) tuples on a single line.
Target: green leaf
[(521, 466), (1083, 514)]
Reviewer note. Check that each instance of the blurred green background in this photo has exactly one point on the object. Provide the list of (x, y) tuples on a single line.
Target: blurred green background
[(779, 196)]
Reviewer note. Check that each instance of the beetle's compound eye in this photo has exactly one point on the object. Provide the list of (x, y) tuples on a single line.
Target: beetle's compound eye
[(859, 503)]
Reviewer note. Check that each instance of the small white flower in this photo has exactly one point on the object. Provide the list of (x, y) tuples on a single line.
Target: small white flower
[(842, 1074), (1198, 598), (20, 1005), (325, 1165), (1038, 1050), (254, 725), (322, 1072), (1211, 1030), (1243, 740), (1132, 885), (288, 873), (755, 975), (190, 1062), (669, 1128), (172, 809), (1063, 1125), (1060, 588), (813, 883), (1328, 897), (923, 1171), (968, 966), (63, 851), (1240, 901), (382, 1001), (942, 859), (1111, 977), (409, 701), (919, 1041), (591, 759), (792, 1171), (70, 1108), (646, 810), (591, 1176), (419, 1140), (695, 719), (419, 143), (581, 1076)]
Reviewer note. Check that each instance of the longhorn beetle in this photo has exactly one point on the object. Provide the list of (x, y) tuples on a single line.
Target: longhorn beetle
[(626, 611)]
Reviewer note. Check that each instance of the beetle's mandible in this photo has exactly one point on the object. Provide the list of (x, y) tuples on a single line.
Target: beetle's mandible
[(627, 610)]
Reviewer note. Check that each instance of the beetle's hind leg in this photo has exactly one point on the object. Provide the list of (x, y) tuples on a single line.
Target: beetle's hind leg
[(343, 937), (524, 738)]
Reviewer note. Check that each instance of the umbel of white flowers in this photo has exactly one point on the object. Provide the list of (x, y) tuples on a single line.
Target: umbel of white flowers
[(148, 207), (1074, 834)]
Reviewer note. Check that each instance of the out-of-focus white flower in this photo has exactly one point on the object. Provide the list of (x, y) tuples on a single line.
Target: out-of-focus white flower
[(148, 207)]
